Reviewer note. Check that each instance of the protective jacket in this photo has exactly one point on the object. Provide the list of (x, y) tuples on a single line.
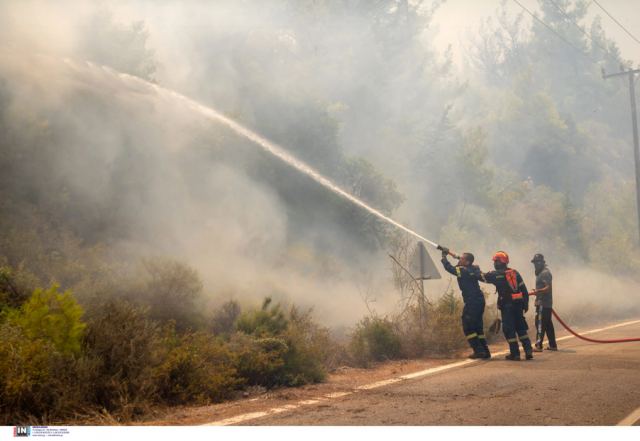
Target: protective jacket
[(510, 286), (467, 277)]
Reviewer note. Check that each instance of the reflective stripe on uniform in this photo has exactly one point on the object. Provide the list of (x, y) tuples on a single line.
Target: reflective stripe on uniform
[(458, 271), (523, 337), (516, 296), (512, 340), (481, 336), (470, 336)]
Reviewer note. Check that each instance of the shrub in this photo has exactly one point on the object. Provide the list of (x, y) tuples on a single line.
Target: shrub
[(269, 320), (259, 361), (309, 346), (15, 287), (51, 316), (280, 349), (198, 368), (413, 331), (127, 346), (445, 329), (29, 383), (374, 339), (42, 374), (224, 319), (171, 290)]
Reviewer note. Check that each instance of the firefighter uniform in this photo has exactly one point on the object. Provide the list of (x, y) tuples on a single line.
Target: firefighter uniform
[(474, 303), (513, 302)]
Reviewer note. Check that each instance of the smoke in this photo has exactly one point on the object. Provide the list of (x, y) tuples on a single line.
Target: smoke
[(329, 83)]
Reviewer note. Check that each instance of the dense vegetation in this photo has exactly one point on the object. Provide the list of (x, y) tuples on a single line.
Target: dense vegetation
[(528, 150), (120, 357)]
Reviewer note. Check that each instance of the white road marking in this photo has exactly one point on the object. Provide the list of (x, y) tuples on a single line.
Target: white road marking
[(255, 415), (338, 394), (437, 369), (378, 384), (630, 419)]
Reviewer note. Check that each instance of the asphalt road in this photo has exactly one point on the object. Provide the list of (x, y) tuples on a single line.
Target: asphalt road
[(581, 384)]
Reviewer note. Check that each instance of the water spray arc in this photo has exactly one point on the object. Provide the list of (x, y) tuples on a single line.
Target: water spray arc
[(270, 147)]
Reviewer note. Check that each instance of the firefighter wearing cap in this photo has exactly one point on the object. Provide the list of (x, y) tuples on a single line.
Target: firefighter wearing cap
[(468, 276), (544, 304), (513, 302)]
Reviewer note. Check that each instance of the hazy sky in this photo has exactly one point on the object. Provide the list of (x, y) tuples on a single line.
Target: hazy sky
[(456, 18)]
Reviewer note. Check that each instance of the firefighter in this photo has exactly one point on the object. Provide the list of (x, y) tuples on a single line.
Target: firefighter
[(468, 276), (513, 302), (544, 304)]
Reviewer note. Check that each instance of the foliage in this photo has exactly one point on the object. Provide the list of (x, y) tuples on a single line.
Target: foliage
[(36, 379), (285, 348), (172, 290), (269, 320), (225, 318), (374, 339), (260, 360), (51, 316), (127, 345), (197, 369)]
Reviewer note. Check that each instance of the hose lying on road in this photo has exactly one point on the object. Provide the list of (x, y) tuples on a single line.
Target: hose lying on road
[(592, 340)]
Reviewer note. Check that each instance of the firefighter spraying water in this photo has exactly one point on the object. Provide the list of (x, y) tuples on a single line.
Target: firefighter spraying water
[(513, 296)]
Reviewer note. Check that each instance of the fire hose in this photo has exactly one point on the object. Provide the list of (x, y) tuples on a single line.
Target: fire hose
[(495, 327), (592, 340)]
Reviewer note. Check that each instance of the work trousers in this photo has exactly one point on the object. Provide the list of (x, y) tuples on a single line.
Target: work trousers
[(473, 326), (515, 327), (544, 326)]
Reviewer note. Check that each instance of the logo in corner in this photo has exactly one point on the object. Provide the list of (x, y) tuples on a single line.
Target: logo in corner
[(22, 431)]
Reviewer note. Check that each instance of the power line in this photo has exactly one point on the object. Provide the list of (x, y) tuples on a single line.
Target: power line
[(560, 36), (617, 22), (569, 19)]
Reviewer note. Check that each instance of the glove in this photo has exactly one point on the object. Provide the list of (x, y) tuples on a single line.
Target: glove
[(445, 251)]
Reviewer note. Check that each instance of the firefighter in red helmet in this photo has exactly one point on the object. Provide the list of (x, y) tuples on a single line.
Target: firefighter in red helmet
[(513, 302)]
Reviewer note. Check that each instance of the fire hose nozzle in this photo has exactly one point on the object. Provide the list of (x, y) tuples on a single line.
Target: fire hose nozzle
[(446, 250)]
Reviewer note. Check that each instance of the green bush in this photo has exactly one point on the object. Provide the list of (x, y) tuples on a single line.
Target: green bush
[(280, 348), (197, 369), (374, 339), (41, 371), (309, 346), (269, 320), (51, 316), (260, 361)]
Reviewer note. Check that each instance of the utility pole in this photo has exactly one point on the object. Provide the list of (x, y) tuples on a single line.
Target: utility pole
[(631, 73)]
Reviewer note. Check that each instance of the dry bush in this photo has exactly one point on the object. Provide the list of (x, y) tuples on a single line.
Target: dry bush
[(225, 318), (197, 369), (127, 346), (172, 291), (445, 330)]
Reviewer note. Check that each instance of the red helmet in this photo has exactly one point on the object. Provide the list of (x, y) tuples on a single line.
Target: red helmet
[(501, 256)]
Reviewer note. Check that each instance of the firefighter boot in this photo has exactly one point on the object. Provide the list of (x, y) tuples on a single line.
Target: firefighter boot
[(477, 349), (486, 353), (526, 346), (514, 350)]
